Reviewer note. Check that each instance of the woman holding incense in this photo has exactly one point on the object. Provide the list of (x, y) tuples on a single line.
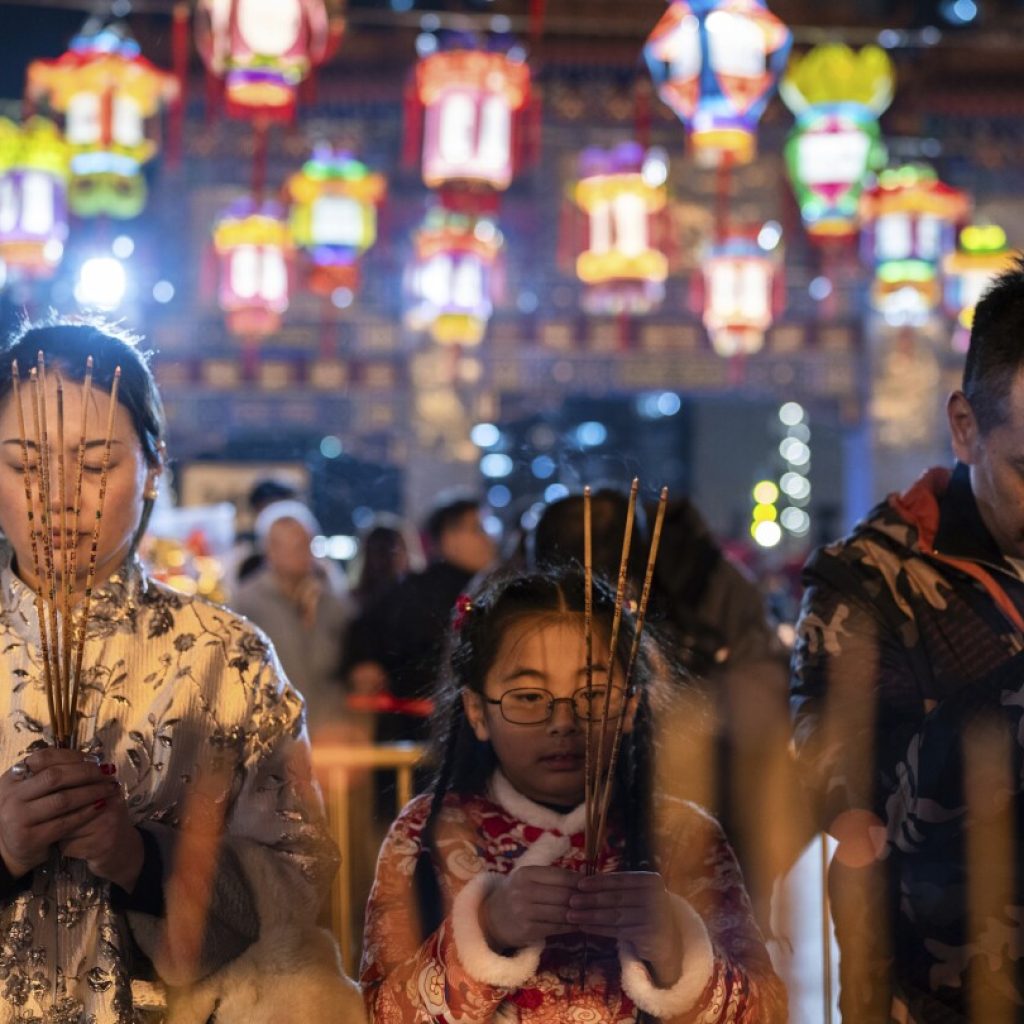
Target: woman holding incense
[(524, 913), (172, 837)]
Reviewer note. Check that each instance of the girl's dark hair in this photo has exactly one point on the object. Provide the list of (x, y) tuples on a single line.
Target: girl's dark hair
[(382, 549), (66, 344), (463, 764)]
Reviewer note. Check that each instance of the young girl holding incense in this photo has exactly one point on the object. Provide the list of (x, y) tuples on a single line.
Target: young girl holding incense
[(484, 907), (169, 845)]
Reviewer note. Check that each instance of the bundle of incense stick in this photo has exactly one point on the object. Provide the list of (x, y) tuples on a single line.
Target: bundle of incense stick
[(600, 777), (61, 638)]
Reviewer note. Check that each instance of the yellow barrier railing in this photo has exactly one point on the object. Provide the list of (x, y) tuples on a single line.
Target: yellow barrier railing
[(335, 765)]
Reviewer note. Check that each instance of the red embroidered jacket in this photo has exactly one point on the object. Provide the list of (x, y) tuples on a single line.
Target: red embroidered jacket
[(454, 977)]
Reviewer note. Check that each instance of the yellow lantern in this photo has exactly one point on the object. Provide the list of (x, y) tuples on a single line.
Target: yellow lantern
[(33, 196), (622, 192), (983, 255), (333, 217), (106, 92)]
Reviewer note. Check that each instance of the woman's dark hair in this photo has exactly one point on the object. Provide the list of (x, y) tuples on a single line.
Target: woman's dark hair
[(382, 550), (66, 344), (463, 764)]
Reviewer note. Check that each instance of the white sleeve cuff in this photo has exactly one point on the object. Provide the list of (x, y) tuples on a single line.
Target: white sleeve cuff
[(482, 964), (697, 968)]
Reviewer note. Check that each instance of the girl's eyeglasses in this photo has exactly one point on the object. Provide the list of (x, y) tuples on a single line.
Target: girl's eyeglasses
[(529, 706)]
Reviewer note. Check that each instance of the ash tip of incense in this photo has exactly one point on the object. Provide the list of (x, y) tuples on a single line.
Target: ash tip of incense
[(664, 494), (14, 367), (635, 486), (117, 371), (586, 490), (88, 362)]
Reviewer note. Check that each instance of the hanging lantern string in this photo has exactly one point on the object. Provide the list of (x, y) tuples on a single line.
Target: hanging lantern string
[(61, 639)]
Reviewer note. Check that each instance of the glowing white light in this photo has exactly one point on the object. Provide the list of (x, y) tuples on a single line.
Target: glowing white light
[(495, 465), (770, 235), (485, 435), (163, 292), (791, 413), (591, 434), (362, 517), (668, 403), (800, 431), (795, 452), (820, 289), (426, 44), (330, 447), (499, 496), (122, 247), (765, 492), (501, 24), (766, 533), (53, 252), (795, 485), (542, 467), (796, 520), (555, 492), (341, 547), (341, 298), (101, 283), (492, 526), (655, 168)]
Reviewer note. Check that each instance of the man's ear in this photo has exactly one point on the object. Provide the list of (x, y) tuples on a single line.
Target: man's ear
[(473, 706), (963, 427)]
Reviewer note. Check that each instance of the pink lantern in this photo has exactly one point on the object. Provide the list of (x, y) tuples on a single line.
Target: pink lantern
[(471, 99), (263, 49), (742, 295)]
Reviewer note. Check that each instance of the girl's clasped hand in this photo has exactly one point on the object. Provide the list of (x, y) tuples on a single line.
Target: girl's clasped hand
[(71, 800), (533, 903)]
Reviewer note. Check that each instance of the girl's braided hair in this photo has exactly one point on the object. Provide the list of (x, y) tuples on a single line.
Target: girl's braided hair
[(464, 765)]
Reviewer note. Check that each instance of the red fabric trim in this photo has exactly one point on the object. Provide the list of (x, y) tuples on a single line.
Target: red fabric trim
[(919, 506)]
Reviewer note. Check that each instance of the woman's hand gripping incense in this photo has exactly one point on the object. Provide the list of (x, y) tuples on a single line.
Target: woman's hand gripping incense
[(527, 906), (47, 798), (636, 906)]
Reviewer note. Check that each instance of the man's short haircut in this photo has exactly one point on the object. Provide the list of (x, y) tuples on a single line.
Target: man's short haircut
[(447, 512), (996, 352)]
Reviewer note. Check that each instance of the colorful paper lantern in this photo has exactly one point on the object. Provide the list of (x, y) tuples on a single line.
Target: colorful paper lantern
[(333, 217), (715, 63), (470, 100), (742, 288), (263, 49), (624, 196), (254, 249), (837, 96), (33, 196), (983, 255), (910, 220), (108, 95), (453, 279)]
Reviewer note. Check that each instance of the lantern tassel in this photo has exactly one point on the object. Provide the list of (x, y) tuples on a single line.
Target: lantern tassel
[(413, 134), (180, 53)]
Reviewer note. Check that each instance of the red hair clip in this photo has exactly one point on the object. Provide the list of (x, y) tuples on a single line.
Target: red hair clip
[(463, 606)]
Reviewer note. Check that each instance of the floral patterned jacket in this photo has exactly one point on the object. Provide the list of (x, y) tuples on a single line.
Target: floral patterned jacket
[(912, 628), (185, 698), (454, 976)]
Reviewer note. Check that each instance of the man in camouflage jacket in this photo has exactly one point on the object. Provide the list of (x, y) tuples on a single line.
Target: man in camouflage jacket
[(908, 701)]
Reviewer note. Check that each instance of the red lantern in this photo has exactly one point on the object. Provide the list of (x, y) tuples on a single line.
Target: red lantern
[(263, 49), (471, 100)]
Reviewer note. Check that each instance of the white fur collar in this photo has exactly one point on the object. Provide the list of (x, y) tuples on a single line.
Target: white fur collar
[(506, 796)]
